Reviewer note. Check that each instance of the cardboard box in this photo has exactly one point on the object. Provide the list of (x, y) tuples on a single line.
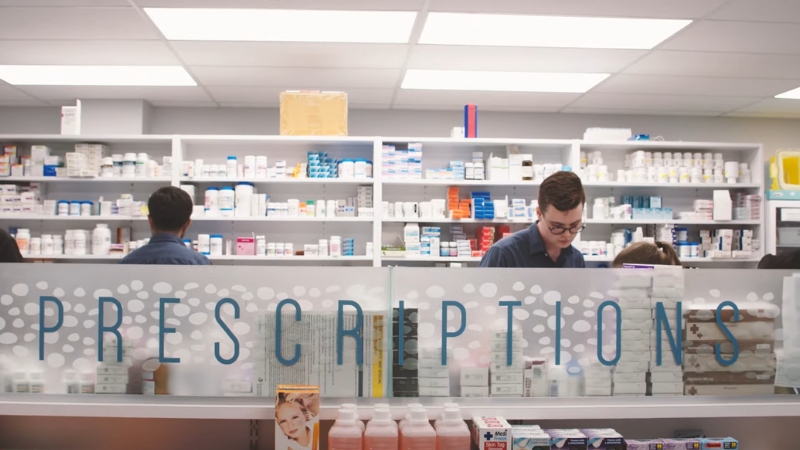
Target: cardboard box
[(730, 389), (313, 113), (491, 433), (721, 378), (604, 439), (293, 401), (568, 439)]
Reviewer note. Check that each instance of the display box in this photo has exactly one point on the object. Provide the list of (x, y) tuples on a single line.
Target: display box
[(297, 417), (313, 113)]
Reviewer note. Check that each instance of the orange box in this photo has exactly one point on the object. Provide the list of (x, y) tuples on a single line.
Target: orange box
[(313, 113)]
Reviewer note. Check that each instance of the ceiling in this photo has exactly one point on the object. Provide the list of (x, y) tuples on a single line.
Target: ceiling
[(731, 61)]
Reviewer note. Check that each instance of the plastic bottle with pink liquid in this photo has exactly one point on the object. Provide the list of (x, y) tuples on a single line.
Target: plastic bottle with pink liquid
[(346, 434), (418, 434), (354, 407), (452, 433), (381, 431)]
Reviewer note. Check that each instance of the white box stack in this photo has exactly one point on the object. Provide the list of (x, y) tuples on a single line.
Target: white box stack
[(474, 381), (112, 375), (630, 373), (94, 157), (433, 378), (506, 380), (597, 380), (668, 286)]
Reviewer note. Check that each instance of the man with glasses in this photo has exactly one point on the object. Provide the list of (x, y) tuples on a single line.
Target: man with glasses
[(548, 242)]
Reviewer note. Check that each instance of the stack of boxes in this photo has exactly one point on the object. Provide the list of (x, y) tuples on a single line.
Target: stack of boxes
[(604, 439), (666, 380), (748, 207), (77, 164), (8, 159), (348, 246), (497, 169), (457, 209), (430, 241), (484, 240), (404, 376), (433, 378), (402, 163), (411, 239), (39, 157), (491, 433), (506, 380), (112, 375), (94, 154), (23, 200), (458, 170), (320, 165), (753, 373), (568, 439), (597, 380), (536, 383), (728, 243), (529, 437), (482, 205), (703, 210), (474, 381), (630, 373)]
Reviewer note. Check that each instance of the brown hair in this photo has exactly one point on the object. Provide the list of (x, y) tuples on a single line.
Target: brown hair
[(659, 253), (563, 190)]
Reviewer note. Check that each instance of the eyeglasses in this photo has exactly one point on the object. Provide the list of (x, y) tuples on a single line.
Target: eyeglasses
[(561, 230)]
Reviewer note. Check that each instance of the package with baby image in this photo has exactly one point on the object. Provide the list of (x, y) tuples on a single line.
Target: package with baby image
[(297, 417)]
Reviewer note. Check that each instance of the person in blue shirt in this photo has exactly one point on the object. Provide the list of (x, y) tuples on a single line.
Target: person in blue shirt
[(548, 242), (170, 212)]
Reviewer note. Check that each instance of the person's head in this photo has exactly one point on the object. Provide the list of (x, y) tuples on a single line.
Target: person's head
[(660, 253), (560, 211), (292, 417), (170, 211)]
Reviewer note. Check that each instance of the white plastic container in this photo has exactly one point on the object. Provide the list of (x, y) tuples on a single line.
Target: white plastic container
[(244, 199), (323, 247), (418, 434), (129, 165), (212, 202), (74, 208), (250, 166), (35, 247), (271, 249), (86, 208), (117, 165), (381, 432), (69, 242), (58, 244), (261, 167), (346, 434), (288, 249), (204, 244), (335, 248), (231, 167), (101, 240), (353, 407), (79, 238), (321, 207), (215, 245), (47, 244), (451, 430), (226, 201), (23, 238), (261, 245), (347, 168), (141, 165)]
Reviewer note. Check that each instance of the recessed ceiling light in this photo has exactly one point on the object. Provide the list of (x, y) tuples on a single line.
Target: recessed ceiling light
[(283, 25), (96, 76), (453, 80), (547, 31), (794, 94)]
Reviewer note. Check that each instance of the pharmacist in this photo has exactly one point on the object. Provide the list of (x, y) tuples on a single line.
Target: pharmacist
[(9, 251), (170, 212), (548, 242)]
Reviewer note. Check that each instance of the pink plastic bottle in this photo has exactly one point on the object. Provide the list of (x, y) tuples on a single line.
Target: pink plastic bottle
[(354, 407), (406, 419), (419, 434), (452, 433), (381, 431), (345, 433)]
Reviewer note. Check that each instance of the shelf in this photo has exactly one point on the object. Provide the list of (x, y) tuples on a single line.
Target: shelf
[(257, 408), (104, 139), (75, 257), (667, 145), (83, 180), (429, 220), (683, 261), (71, 218), (479, 142), (616, 184), (672, 222), (284, 219), (279, 180), (424, 182), (431, 259), (290, 258), (267, 139)]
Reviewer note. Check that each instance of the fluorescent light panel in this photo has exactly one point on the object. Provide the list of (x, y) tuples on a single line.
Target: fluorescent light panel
[(96, 76), (452, 80), (793, 94), (283, 25), (547, 31)]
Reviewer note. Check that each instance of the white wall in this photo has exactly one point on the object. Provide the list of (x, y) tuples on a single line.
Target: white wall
[(773, 133)]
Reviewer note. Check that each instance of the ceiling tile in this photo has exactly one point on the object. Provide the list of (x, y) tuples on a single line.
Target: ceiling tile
[(679, 85), (521, 59), (241, 94), (105, 52), (74, 23), (324, 79), (732, 65), (63, 3), (149, 93), (774, 107), (661, 102), (178, 104), (457, 99), (457, 109), (374, 5), (760, 10), (676, 9), (638, 112), (743, 37), (292, 54)]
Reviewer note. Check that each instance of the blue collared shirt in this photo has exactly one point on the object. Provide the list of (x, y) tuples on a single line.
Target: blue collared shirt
[(526, 249), (166, 249)]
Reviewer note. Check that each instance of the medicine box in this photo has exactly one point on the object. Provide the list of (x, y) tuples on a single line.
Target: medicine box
[(491, 433), (475, 391), (474, 376)]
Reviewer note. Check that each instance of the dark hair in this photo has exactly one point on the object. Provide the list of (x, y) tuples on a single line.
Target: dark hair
[(170, 208), (788, 260), (563, 190), (659, 253)]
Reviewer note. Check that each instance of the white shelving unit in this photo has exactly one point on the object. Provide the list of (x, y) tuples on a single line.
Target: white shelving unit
[(437, 152), (779, 214)]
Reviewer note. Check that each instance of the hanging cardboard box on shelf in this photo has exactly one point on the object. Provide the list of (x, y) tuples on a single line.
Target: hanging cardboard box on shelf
[(313, 113)]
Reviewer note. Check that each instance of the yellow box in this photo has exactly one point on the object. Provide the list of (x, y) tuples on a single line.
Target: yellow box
[(313, 113)]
